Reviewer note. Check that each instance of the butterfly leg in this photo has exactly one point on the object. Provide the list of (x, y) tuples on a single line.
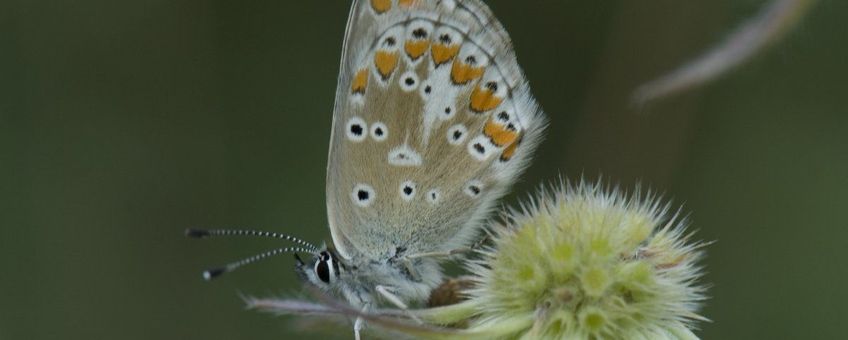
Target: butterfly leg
[(357, 328), (437, 254), (395, 300), (359, 324), (452, 252)]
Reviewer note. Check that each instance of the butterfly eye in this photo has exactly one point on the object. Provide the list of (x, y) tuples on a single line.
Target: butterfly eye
[(322, 269)]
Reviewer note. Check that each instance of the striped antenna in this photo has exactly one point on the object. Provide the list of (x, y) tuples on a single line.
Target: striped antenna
[(203, 233), (215, 272)]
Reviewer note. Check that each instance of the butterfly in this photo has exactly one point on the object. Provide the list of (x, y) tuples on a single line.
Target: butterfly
[(433, 122)]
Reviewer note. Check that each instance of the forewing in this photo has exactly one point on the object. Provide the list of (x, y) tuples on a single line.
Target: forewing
[(433, 122)]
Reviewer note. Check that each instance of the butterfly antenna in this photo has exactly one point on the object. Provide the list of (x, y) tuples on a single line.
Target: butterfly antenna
[(215, 272), (204, 233)]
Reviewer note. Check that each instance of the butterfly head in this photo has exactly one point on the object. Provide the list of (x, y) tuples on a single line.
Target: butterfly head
[(323, 269)]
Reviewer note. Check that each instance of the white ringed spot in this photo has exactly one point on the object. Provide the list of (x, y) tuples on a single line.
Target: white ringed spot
[(408, 81), (379, 131), (481, 148), (407, 190), (363, 195), (456, 134), (356, 129), (473, 188)]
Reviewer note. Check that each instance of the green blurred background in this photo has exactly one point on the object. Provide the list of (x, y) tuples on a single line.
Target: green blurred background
[(124, 122)]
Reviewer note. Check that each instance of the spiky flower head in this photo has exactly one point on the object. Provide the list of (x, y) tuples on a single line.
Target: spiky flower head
[(578, 262)]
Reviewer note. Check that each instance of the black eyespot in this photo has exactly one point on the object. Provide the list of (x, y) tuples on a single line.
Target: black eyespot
[(378, 131), (479, 147), (407, 190), (445, 39), (390, 41), (362, 195), (471, 60), (447, 110), (474, 189), (503, 116), (419, 33), (493, 86), (409, 81), (457, 135), (322, 269), (427, 89), (356, 129), (510, 127)]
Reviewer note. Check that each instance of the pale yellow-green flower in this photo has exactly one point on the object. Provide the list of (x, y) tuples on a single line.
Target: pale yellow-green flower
[(578, 262), (575, 262)]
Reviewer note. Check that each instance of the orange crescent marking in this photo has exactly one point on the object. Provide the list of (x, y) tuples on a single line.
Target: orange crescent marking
[(499, 135), (444, 53), (416, 48), (386, 63), (463, 73), (381, 6), (484, 99), (406, 3), (510, 150), (360, 81)]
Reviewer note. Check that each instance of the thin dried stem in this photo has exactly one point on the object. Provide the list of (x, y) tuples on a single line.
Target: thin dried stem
[(768, 26)]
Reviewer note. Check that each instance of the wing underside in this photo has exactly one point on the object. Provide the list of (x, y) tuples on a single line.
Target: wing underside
[(433, 122)]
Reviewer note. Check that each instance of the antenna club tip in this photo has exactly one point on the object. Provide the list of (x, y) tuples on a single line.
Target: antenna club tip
[(197, 233), (210, 274)]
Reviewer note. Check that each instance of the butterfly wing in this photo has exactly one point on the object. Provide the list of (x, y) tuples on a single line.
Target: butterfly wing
[(433, 121)]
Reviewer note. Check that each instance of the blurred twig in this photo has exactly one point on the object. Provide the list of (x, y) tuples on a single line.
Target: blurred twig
[(769, 25)]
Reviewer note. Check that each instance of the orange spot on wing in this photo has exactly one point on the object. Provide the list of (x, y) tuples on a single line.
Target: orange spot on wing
[(360, 81), (416, 48), (443, 53), (484, 99), (386, 63), (381, 6), (462, 73), (406, 3), (510, 150), (500, 135)]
